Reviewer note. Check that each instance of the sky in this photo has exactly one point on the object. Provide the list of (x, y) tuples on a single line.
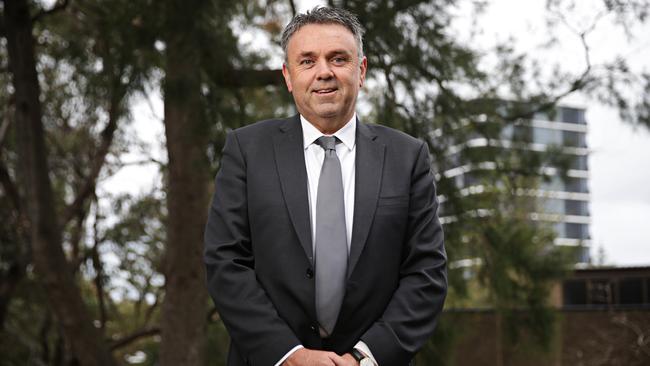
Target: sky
[(619, 158)]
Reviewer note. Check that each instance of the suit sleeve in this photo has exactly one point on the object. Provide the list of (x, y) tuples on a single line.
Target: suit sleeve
[(258, 333), (411, 314)]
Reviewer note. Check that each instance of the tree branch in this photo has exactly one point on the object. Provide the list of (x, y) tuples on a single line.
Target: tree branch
[(8, 283), (55, 9), (125, 341), (142, 162), (43, 335), (578, 83), (17, 266), (76, 259), (10, 188), (3, 130), (107, 134), (149, 314), (99, 270), (293, 7)]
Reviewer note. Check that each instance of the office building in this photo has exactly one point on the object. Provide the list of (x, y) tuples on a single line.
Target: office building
[(562, 196)]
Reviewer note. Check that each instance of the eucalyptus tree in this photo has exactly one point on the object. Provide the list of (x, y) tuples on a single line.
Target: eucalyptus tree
[(73, 68)]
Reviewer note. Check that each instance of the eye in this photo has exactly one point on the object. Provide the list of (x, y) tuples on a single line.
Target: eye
[(339, 59), (306, 61)]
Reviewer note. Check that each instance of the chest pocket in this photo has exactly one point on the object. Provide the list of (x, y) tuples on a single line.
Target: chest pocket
[(392, 204)]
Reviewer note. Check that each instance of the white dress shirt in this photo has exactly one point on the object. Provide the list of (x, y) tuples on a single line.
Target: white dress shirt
[(314, 156)]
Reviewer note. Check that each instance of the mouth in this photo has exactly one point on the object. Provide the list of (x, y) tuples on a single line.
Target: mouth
[(325, 91)]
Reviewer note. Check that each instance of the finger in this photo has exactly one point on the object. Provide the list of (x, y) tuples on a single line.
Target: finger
[(338, 360)]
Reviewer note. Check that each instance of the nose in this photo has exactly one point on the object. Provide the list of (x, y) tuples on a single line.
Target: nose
[(324, 71)]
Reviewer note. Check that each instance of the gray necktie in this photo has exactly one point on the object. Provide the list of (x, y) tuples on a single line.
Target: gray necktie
[(331, 243)]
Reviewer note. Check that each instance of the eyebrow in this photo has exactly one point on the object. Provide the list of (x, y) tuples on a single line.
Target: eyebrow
[(329, 54), (339, 52), (306, 54)]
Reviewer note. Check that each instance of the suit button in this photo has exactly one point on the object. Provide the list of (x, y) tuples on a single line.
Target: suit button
[(310, 273), (313, 328)]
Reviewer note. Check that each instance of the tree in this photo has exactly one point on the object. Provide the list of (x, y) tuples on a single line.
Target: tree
[(84, 89), (89, 69), (185, 305), (45, 236), (203, 71)]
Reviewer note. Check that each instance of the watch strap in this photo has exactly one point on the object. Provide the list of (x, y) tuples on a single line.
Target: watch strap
[(357, 355)]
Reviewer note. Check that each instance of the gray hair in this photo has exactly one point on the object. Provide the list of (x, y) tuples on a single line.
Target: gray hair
[(324, 15)]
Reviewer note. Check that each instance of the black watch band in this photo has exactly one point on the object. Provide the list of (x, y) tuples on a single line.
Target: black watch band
[(357, 354)]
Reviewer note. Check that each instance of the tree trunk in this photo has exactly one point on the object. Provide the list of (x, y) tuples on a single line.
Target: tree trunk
[(183, 325), (64, 296)]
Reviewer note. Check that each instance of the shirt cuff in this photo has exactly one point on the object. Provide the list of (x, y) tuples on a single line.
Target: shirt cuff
[(286, 355), (363, 348)]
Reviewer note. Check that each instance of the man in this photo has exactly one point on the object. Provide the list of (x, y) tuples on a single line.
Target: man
[(325, 250)]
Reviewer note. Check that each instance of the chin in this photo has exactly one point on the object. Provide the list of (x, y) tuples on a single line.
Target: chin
[(328, 112)]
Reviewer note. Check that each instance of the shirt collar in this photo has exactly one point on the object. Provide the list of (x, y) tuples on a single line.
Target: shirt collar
[(347, 133)]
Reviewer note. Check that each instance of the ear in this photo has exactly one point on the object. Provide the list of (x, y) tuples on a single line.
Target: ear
[(363, 66), (287, 77)]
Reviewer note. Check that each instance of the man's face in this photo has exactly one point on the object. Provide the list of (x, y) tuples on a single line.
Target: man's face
[(323, 72)]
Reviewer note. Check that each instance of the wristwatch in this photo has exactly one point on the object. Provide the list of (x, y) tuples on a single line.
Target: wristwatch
[(361, 358)]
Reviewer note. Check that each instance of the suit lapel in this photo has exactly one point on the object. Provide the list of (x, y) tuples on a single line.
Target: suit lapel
[(290, 161), (368, 166)]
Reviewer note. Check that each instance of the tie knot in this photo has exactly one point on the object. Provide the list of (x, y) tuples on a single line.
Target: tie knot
[(327, 142)]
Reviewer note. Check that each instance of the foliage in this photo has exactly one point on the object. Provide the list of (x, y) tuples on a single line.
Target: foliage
[(89, 66)]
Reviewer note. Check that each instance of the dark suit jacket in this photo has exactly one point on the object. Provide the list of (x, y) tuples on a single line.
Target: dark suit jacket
[(259, 258)]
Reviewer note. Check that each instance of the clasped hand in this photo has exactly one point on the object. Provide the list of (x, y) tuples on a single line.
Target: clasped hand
[(310, 357)]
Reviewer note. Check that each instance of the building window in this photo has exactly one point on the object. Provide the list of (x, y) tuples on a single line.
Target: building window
[(576, 231), (607, 291), (573, 207), (631, 291), (565, 207), (470, 179), (601, 292), (579, 162), (572, 115), (574, 292), (547, 136), (576, 185), (522, 134), (583, 255), (566, 184), (574, 139)]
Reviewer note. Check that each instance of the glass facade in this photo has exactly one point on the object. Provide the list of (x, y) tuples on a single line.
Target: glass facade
[(573, 207), (565, 184), (562, 200), (579, 163), (565, 115), (572, 115), (574, 139), (576, 231), (547, 136), (565, 206)]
